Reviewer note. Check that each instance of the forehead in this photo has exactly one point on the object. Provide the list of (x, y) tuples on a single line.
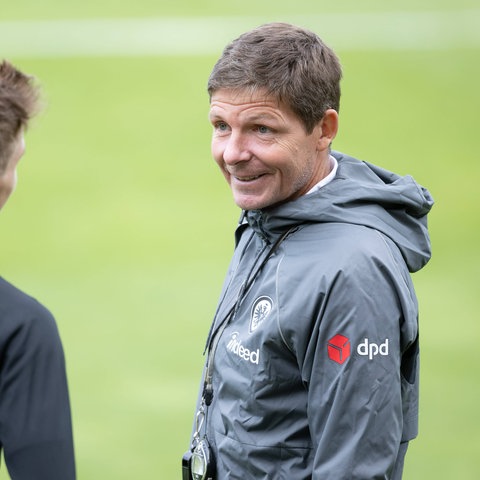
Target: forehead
[(247, 102)]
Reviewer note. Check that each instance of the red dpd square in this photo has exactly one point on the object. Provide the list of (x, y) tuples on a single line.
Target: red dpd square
[(338, 348)]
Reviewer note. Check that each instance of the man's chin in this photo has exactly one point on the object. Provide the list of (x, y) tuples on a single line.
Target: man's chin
[(250, 202)]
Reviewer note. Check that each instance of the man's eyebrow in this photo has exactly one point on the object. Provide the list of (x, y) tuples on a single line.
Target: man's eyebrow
[(261, 115), (253, 117), (214, 114), (257, 117)]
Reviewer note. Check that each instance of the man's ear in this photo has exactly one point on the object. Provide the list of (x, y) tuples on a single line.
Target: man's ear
[(328, 129)]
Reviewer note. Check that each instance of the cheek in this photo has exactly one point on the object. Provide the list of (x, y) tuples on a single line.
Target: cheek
[(300, 170), (217, 151)]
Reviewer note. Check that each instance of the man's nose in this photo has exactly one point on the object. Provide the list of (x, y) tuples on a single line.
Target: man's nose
[(236, 149)]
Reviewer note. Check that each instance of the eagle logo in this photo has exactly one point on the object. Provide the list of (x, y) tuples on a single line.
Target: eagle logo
[(260, 311)]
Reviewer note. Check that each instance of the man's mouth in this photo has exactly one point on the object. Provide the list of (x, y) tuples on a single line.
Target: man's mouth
[(248, 179)]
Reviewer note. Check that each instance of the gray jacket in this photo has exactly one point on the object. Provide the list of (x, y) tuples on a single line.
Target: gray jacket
[(315, 375)]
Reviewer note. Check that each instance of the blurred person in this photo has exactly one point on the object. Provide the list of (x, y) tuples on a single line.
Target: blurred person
[(312, 358), (35, 418)]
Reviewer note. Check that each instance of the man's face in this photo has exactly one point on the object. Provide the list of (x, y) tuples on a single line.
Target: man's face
[(263, 150), (8, 178)]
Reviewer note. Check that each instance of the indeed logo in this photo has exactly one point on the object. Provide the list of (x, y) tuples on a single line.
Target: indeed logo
[(235, 346), (372, 349)]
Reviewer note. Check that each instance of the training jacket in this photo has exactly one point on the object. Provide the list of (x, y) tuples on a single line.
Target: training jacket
[(316, 373), (35, 420)]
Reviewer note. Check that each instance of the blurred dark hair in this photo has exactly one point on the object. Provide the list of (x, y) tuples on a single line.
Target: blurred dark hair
[(289, 63), (19, 101)]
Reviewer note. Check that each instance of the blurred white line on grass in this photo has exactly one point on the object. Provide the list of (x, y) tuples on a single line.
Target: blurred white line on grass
[(208, 35)]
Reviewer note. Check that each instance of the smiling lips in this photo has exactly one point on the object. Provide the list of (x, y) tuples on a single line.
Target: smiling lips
[(247, 179)]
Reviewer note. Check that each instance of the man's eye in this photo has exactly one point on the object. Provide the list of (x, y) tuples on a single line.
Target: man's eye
[(263, 129), (221, 126)]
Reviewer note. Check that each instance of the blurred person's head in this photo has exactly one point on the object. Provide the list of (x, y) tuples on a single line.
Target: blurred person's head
[(19, 101), (286, 62)]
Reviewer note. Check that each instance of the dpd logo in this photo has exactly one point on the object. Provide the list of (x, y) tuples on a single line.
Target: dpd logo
[(371, 349), (338, 348)]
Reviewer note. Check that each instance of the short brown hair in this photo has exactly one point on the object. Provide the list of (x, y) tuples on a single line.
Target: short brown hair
[(288, 62), (19, 101)]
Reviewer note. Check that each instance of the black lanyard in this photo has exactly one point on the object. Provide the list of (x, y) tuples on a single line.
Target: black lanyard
[(207, 395)]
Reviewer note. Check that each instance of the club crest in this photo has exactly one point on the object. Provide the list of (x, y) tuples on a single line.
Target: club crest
[(260, 311)]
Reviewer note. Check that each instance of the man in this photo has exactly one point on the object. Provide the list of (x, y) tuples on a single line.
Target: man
[(312, 365), (35, 420)]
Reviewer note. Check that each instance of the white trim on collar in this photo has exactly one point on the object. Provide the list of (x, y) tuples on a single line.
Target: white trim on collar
[(328, 178)]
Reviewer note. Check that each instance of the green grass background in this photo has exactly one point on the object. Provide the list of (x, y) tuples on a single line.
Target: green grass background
[(122, 226)]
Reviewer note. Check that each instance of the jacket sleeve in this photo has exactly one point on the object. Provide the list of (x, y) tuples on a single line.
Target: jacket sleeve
[(349, 355), (35, 419)]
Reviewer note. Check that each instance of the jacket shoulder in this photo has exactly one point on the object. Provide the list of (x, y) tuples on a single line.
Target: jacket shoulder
[(20, 311), (336, 246)]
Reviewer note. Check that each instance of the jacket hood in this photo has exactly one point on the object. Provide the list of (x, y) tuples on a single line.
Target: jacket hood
[(360, 194)]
